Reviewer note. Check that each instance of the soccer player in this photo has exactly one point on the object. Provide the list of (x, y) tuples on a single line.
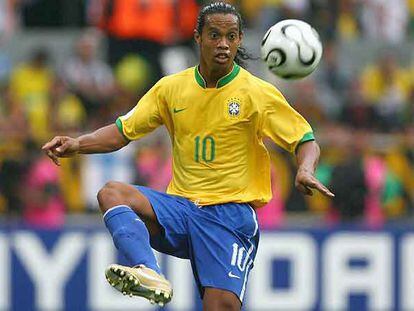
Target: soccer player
[(217, 114)]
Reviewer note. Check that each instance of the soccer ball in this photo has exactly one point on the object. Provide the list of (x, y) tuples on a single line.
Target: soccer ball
[(291, 49)]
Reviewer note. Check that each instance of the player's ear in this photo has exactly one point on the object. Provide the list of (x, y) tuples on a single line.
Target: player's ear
[(197, 36), (241, 36)]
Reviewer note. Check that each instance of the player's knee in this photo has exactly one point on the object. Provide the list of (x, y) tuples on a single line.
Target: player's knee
[(110, 195), (223, 303), (227, 304)]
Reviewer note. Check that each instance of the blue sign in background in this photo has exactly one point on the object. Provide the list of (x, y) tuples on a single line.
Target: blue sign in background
[(22, 287)]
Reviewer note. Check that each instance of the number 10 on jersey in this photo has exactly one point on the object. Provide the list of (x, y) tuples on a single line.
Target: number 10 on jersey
[(204, 149)]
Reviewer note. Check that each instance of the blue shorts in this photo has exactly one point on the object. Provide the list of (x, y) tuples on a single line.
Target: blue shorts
[(220, 240)]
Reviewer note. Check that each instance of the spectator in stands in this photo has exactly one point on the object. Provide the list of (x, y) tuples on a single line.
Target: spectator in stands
[(30, 87), (410, 5), (399, 185), (385, 20), (407, 171), (8, 18), (348, 178), (43, 203), (68, 112), (323, 16), (356, 112), (87, 76), (347, 23), (295, 9), (11, 179), (144, 27), (331, 81), (13, 132), (153, 165), (272, 11), (69, 115), (9, 23), (385, 86), (13, 125), (272, 215)]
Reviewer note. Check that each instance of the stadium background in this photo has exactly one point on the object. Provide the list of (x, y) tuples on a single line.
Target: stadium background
[(66, 67)]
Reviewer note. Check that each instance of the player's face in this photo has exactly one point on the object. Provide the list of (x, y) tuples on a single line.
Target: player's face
[(219, 40)]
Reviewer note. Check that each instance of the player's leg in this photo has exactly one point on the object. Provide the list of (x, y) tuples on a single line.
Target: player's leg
[(130, 219), (220, 300), (224, 240), (117, 193)]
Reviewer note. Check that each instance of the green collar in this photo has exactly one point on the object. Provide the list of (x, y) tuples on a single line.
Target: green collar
[(222, 81)]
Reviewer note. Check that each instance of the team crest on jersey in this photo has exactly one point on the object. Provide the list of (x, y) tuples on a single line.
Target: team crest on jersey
[(233, 107)]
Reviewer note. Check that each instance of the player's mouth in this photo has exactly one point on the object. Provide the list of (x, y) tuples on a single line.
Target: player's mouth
[(222, 57)]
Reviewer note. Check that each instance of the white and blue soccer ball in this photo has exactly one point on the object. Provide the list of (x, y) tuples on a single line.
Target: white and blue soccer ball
[(291, 49)]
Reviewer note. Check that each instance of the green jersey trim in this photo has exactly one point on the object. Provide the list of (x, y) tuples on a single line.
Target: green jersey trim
[(229, 77), (307, 137), (199, 78), (118, 124), (222, 81)]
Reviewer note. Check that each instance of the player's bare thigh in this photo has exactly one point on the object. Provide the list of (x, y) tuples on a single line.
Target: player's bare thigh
[(220, 300), (117, 193)]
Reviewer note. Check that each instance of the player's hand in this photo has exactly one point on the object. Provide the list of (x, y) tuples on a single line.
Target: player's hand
[(305, 182), (61, 147)]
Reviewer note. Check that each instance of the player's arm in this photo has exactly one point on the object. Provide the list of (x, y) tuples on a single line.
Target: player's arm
[(288, 129), (307, 157), (103, 140)]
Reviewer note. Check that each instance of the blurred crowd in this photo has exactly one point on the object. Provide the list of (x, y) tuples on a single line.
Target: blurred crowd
[(362, 114)]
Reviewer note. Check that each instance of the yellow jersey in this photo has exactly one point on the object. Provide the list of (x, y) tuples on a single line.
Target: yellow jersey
[(217, 133)]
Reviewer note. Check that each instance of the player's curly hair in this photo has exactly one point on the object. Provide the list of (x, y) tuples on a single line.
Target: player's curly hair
[(225, 8)]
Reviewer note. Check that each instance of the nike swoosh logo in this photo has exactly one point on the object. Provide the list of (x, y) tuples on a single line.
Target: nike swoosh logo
[(233, 275), (178, 110)]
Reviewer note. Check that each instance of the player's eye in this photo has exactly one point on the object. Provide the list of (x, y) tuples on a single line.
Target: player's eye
[(213, 35), (232, 36)]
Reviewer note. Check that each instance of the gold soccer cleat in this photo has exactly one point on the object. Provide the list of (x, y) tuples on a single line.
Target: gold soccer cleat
[(140, 281)]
